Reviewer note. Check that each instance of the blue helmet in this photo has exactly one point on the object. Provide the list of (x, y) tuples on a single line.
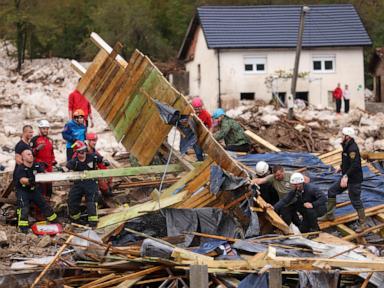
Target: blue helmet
[(218, 112)]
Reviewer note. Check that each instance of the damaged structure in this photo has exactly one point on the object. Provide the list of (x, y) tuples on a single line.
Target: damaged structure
[(203, 226)]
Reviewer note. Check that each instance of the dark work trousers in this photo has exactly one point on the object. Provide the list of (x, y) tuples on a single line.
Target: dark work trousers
[(268, 193), (338, 105), (46, 192), (354, 192), (24, 201), (239, 148), (289, 215), (310, 215), (69, 153), (346, 105), (89, 189), (199, 152)]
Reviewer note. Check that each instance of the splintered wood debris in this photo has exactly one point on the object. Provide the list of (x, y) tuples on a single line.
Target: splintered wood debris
[(114, 255)]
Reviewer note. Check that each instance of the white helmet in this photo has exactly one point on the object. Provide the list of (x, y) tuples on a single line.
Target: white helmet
[(262, 168), (43, 123), (297, 178), (349, 131)]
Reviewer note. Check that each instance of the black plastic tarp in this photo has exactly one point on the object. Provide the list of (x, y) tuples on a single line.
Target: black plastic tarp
[(205, 220)]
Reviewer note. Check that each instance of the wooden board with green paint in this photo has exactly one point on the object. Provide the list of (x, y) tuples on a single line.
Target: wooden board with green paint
[(117, 172), (137, 210)]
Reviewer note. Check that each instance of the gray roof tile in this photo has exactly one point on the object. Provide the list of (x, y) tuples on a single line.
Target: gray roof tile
[(277, 26)]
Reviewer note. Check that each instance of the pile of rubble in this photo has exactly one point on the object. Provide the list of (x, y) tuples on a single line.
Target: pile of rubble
[(39, 92), (312, 130)]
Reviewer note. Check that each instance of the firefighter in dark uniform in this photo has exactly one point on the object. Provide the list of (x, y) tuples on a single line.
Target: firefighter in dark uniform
[(305, 199), (88, 187), (351, 179), (27, 191)]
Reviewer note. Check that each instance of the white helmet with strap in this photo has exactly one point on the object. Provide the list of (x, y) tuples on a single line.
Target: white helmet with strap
[(348, 131), (261, 168), (297, 178), (43, 124)]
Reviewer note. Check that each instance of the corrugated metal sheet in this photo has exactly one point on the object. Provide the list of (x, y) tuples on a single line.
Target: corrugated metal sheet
[(277, 26)]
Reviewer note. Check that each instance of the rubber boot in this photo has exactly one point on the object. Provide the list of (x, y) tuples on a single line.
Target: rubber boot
[(330, 215), (362, 225)]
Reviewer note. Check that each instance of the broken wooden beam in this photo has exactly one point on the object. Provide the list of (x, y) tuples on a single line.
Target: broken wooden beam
[(351, 217), (124, 214), (262, 141), (372, 155), (116, 172)]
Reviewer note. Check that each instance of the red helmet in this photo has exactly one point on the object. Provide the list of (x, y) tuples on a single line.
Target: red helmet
[(91, 136), (197, 102), (79, 146), (78, 112)]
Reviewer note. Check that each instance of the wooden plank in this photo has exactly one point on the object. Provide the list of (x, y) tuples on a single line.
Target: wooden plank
[(116, 172), (351, 217), (372, 155), (138, 210), (275, 278), (129, 276), (198, 276), (187, 178), (108, 49), (78, 67), (366, 231), (91, 71), (261, 141), (345, 230), (272, 216)]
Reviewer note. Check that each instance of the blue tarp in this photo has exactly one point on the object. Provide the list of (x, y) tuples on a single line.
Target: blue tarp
[(322, 176)]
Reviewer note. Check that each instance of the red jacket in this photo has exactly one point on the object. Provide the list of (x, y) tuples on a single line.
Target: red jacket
[(206, 118), (337, 93), (46, 154), (77, 100)]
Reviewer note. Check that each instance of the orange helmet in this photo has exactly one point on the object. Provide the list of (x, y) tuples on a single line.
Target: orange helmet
[(91, 136), (79, 146), (78, 112)]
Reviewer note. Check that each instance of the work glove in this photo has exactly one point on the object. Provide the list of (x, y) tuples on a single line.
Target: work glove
[(106, 163)]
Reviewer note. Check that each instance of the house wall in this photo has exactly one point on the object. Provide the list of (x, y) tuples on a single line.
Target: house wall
[(204, 85), (348, 69)]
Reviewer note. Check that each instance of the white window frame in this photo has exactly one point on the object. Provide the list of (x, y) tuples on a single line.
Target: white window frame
[(322, 60), (255, 60)]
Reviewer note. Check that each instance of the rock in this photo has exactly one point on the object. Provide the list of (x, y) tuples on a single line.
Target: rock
[(368, 144), (44, 242), (299, 127), (269, 119), (314, 124), (378, 145)]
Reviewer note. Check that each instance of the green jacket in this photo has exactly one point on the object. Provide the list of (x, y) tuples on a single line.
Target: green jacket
[(231, 132)]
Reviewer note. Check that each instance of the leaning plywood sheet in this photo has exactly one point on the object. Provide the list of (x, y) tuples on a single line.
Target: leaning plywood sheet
[(122, 93)]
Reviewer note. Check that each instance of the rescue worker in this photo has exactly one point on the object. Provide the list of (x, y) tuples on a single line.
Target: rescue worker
[(279, 181), (105, 184), (87, 187), (352, 177), (304, 199), (42, 147), (74, 130), (27, 191), (203, 114), (267, 191), (231, 132), (24, 143), (76, 101)]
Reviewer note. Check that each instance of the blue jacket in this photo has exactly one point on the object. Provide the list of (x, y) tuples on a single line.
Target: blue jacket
[(73, 131)]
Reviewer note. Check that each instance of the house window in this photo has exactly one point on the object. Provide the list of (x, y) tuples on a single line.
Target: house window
[(255, 64), (303, 96), (323, 64), (247, 96)]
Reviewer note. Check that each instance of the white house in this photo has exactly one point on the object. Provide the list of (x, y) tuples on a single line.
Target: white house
[(235, 53)]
